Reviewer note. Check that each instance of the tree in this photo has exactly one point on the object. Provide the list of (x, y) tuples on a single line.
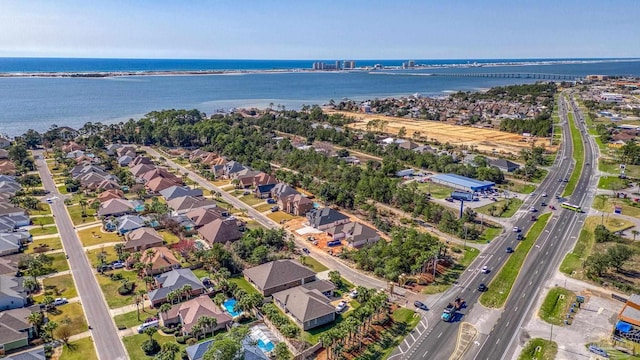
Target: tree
[(402, 132), (282, 352), (168, 351), (335, 278), (150, 331), (635, 233), (595, 265), (208, 323), (36, 319), (164, 308), (618, 255), (30, 284), (49, 327), (137, 300), (83, 205), (225, 348), (47, 301)]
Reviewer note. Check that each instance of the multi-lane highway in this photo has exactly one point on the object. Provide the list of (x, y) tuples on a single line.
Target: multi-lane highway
[(103, 329), (438, 340)]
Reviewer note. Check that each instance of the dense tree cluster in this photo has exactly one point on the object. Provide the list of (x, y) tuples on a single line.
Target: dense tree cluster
[(257, 246), (629, 153), (538, 126), (528, 93)]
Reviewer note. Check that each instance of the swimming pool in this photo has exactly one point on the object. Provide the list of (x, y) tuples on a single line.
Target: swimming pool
[(265, 347), (229, 305)]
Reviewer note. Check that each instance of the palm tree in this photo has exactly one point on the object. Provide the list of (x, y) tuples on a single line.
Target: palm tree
[(49, 327), (36, 319), (102, 257), (142, 293), (137, 300), (150, 331), (30, 284), (47, 301), (170, 350), (207, 323), (635, 233), (119, 249), (83, 205), (196, 329), (186, 290), (164, 308)]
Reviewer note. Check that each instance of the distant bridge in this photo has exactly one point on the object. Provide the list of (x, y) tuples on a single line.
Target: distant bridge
[(514, 76)]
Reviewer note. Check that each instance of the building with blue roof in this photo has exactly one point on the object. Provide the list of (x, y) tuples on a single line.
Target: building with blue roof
[(462, 182)]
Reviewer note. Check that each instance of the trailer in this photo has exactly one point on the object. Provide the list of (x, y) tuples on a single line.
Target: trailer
[(449, 312)]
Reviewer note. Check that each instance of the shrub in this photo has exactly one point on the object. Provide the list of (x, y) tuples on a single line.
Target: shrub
[(150, 347), (192, 341), (167, 330), (122, 327), (180, 339), (116, 276), (125, 289)]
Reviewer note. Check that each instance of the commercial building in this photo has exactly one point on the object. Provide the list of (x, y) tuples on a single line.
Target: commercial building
[(628, 325), (462, 182)]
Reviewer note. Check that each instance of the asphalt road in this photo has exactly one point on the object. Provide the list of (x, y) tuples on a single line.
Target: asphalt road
[(329, 261), (104, 332), (438, 341)]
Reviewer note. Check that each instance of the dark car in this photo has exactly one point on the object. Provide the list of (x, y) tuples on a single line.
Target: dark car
[(509, 250), (420, 305), (520, 237), (306, 251), (482, 287), (543, 204), (565, 180)]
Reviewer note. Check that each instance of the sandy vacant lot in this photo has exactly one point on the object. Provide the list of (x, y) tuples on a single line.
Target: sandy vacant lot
[(486, 140)]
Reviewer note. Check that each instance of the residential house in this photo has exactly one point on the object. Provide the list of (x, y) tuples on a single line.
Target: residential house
[(250, 351), (158, 184), (4, 154), (108, 185), (157, 260), (7, 167), (12, 243), (220, 231), (126, 150), (125, 160), (12, 294), (264, 179), (163, 173), (197, 154), (92, 180), (174, 280), (8, 265), (278, 275), (184, 204), (246, 174), (140, 160), (295, 204), (7, 209), (127, 223), (4, 143), (141, 169), (306, 305), (72, 146), (67, 133), (281, 190), (110, 194), (355, 234), (142, 239), (15, 330), (263, 191), (80, 170), (504, 165), (184, 221), (203, 216), (116, 207), (10, 187), (111, 149), (35, 354), (176, 191), (188, 313), (75, 154), (325, 218), (231, 168), (408, 145)]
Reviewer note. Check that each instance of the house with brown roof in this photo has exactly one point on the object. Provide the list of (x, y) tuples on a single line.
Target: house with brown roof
[(108, 185), (197, 154), (142, 239), (183, 204), (72, 146), (220, 231), (161, 172), (140, 160), (116, 207), (278, 275), (295, 204), (306, 304), (264, 179), (157, 260), (141, 169), (188, 313), (158, 184), (203, 216), (110, 194), (126, 150), (7, 167)]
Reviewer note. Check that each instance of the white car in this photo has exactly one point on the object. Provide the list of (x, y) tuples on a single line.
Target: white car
[(118, 265), (60, 301), (353, 294), (485, 269), (516, 229), (341, 306), (544, 194)]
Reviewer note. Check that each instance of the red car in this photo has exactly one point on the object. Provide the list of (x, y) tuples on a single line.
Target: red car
[(552, 207)]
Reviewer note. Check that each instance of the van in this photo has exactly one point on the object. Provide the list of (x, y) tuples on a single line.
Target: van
[(147, 325)]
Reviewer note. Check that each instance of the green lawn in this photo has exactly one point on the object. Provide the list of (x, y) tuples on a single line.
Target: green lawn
[(47, 230), (62, 189), (446, 280), (58, 286), (612, 183), (606, 204), (93, 255), (556, 305), (130, 319), (95, 236), (548, 350), (43, 209), (578, 155), (42, 220), (263, 207), (110, 288), (489, 234), (52, 243), (132, 344), (168, 237), (573, 261), (280, 216), (59, 262), (74, 312), (406, 316), (250, 200), (521, 188), (313, 264), (82, 349), (502, 208), (437, 191), (75, 212), (244, 284), (501, 285)]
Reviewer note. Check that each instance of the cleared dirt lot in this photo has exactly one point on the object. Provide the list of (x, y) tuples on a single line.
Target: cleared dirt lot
[(482, 139)]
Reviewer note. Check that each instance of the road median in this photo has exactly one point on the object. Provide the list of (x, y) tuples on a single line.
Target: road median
[(500, 286), (578, 156)]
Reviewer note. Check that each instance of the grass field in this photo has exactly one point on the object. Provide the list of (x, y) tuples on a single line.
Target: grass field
[(280, 216), (130, 319), (110, 288), (95, 236), (42, 220), (519, 187), (446, 280), (437, 191), (263, 207), (58, 286), (578, 155), (609, 166), (132, 344), (489, 234), (503, 208), (47, 230), (59, 262), (92, 255), (244, 285), (75, 212), (548, 350), (313, 264), (53, 243), (556, 305), (612, 183), (62, 189), (500, 286), (168, 237), (81, 349), (606, 204), (250, 200), (72, 311), (43, 209)]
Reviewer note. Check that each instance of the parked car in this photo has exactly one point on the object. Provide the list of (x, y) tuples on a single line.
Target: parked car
[(118, 265), (60, 301), (420, 305), (274, 209), (543, 204), (306, 251), (271, 201), (341, 306), (482, 287), (353, 294)]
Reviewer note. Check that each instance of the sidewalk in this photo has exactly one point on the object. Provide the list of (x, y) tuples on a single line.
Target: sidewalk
[(129, 308)]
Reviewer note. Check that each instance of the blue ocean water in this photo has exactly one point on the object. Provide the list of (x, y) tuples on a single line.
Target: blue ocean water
[(39, 102)]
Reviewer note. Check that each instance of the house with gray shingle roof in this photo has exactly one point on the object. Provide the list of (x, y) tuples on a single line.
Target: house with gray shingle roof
[(12, 294), (15, 330), (35, 354), (174, 280), (249, 350), (176, 191), (278, 275), (308, 307), (325, 218)]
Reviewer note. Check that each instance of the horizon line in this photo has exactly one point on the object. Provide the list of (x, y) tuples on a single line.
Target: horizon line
[(318, 59)]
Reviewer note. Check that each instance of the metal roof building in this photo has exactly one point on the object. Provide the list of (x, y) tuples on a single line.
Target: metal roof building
[(462, 182)]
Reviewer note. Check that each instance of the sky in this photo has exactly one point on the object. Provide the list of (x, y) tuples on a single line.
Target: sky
[(326, 29)]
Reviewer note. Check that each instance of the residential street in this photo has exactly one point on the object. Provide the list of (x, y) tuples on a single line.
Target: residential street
[(329, 261), (104, 332)]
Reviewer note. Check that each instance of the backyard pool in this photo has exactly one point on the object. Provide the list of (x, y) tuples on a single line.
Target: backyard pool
[(263, 337), (229, 305), (265, 347)]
